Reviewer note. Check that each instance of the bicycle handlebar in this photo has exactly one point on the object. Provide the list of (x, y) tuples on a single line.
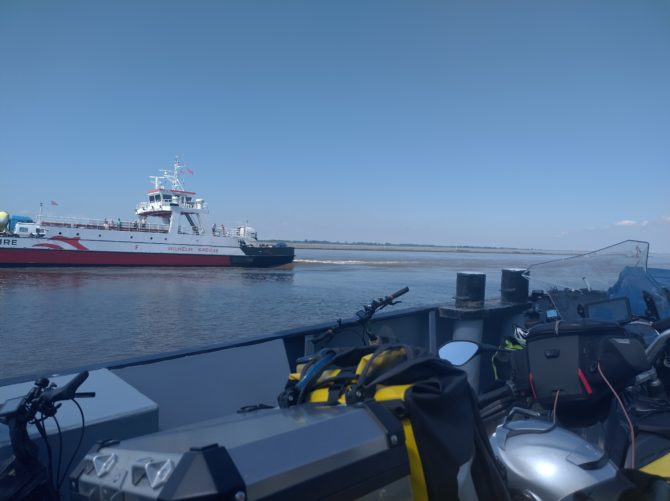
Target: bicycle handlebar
[(389, 299), (65, 392), (379, 303), (42, 397), (363, 315), (399, 293)]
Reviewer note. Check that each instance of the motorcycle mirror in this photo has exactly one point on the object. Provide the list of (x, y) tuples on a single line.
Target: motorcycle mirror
[(459, 352)]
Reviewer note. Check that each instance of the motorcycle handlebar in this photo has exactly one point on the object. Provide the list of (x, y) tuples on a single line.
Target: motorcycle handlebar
[(662, 325), (491, 396), (658, 346)]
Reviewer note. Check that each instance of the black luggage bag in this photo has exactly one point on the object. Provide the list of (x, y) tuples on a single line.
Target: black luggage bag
[(563, 358)]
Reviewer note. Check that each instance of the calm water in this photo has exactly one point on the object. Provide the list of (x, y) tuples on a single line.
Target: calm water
[(52, 319)]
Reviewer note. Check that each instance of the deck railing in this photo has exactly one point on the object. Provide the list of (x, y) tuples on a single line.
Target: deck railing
[(118, 225), (102, 224), (167, 205)]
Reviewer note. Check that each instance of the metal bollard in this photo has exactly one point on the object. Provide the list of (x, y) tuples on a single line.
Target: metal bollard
[(470, 292), (513, 286), (470, 289)]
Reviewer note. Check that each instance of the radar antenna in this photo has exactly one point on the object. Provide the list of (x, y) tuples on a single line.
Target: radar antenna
[(173, 178)]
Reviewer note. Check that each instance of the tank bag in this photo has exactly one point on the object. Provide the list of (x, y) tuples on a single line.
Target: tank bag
[(431, 398)]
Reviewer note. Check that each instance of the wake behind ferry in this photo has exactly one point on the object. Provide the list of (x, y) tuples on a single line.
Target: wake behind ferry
[(170, 230)]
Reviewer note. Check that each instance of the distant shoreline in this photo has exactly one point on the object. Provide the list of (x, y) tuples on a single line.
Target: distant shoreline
[(425, 248)]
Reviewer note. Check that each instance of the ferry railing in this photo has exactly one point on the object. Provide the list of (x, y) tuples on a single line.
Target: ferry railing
[(102, 224), (166, 204), (241, 232), (233, 233)]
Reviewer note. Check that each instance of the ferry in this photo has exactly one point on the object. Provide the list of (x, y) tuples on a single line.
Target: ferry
[(170, 230)]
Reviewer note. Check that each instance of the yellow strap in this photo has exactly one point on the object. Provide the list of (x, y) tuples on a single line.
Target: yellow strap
[(320, 395), (660, 467), (383, 358), (419, 490), (327, 374), (361, 363), (394, 392)]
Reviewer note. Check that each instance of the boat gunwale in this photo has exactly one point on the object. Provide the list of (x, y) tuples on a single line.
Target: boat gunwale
[(287, 334)]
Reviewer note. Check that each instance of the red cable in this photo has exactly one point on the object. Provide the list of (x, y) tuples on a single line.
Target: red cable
[(625, 413)]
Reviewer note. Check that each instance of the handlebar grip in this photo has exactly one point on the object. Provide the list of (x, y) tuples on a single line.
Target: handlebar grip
[(65, 392), (662, 325), (322, 336), (399, 293), (490, 396), (71, 387), (85, 394)]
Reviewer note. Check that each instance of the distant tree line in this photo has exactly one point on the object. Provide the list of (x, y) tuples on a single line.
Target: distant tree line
[(388, 244)]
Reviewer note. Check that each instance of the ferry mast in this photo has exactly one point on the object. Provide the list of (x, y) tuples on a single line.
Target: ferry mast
[(169, 200)]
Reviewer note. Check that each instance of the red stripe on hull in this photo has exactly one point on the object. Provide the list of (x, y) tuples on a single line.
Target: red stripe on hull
[(53, 257), (73, 241)]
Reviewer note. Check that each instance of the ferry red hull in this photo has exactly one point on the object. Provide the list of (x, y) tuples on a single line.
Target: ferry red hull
[(55, 257)]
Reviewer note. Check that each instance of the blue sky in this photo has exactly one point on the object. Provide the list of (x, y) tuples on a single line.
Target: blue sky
[(522, 124)]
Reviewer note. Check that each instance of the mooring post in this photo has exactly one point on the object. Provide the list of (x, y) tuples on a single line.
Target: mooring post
[(470, 291), (513, 286)]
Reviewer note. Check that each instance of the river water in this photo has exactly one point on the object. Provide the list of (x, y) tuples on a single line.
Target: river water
[(54, 319)]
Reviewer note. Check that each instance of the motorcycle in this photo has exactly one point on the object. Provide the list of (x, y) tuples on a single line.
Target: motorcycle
[(581, 409)]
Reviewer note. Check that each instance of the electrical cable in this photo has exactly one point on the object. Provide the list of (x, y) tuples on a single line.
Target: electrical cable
[(60, 450), (555, 405), (625, 413), (81, 439), (39, 424)]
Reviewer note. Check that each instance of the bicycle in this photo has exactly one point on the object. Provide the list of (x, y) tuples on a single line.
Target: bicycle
[(22, 475)]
